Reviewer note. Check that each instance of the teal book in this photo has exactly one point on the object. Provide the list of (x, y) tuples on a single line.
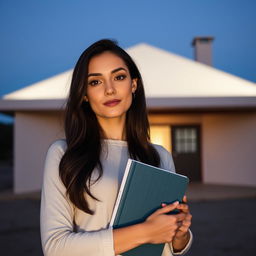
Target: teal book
[(143, 189)]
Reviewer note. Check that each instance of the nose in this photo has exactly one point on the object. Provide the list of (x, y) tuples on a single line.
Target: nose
[(109, 88)]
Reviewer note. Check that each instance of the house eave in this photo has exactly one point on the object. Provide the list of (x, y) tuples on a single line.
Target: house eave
[(32, 105), (201, 103), (157, 104)]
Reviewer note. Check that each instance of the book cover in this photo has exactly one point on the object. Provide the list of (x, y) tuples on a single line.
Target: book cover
[(143, 189)]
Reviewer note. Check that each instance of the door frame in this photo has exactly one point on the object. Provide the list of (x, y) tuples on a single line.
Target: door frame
[(199, 141)]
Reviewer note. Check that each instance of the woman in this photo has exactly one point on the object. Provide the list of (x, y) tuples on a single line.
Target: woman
[(105, 124)]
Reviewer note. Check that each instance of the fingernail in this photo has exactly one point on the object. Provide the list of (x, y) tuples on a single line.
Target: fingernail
[(163, 204)]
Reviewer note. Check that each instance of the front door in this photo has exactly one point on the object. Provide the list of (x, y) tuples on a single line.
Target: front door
[(186, 150)]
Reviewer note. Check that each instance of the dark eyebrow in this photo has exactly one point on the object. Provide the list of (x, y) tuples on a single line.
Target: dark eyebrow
[(112, 72), (94, 74), (118, 69)]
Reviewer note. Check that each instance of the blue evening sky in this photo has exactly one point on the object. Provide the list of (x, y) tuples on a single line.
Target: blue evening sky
[(40, 39)]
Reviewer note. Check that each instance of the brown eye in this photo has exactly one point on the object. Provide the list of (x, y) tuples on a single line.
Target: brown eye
[(94, 82), (120, 77)]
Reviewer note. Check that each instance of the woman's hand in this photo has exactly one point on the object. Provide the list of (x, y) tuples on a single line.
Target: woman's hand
[(157, 228), (161, 227), (181, 237)]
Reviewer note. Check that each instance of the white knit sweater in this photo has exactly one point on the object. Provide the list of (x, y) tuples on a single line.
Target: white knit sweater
[(91, 234)]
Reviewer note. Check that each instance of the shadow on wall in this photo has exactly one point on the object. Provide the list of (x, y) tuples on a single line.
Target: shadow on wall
[(6, 142), (6, 156)]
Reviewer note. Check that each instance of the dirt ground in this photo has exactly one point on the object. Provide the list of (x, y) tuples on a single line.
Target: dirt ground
[(220, 227)]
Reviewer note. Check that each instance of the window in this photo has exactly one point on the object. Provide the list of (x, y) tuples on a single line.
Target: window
[(185, 140)]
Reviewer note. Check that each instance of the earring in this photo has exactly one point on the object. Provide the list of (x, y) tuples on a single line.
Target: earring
[(133, 95)]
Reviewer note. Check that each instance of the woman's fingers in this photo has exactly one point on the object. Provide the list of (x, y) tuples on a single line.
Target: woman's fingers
[(172, 226), (183, 207), (185, 225), (163, 227), (180, 206), (166, 208)]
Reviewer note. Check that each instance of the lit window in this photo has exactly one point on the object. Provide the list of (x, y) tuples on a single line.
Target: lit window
[(161, 135)]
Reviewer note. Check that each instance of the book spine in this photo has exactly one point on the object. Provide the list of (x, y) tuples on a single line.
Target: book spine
[(120, 193)]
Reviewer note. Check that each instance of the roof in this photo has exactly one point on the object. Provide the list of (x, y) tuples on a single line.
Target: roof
[(170, 80), (168, 75)]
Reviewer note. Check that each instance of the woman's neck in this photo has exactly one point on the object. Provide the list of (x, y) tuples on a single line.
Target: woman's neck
[(113, 129)]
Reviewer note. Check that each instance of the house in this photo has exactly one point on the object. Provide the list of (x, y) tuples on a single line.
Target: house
[(204, 116)]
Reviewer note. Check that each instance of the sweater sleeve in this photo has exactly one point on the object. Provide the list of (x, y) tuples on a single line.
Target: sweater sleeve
[(57, 216)]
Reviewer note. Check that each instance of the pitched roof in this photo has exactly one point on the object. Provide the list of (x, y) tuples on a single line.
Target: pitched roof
[(55, 87), (166, 76)]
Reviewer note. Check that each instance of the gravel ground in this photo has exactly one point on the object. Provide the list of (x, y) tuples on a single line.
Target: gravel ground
[(220, 227), (19, 230), (224, 227)]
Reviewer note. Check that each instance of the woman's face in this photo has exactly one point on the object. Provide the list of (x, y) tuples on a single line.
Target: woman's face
[(110, 87)]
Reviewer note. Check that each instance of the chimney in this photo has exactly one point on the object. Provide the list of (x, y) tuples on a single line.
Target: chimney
[(203, 49)]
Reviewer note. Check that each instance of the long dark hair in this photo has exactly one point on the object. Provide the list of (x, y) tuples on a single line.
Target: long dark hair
[(83, 132)]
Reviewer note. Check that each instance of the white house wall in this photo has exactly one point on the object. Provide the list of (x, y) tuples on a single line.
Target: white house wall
[(34, 132), (229, 146)]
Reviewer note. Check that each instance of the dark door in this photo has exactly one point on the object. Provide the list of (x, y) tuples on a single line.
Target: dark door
[(186, 150)]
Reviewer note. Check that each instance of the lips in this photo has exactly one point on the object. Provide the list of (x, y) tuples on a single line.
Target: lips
[(112, 103)]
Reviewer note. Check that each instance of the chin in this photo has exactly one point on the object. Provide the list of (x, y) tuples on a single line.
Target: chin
[(112, 115)]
